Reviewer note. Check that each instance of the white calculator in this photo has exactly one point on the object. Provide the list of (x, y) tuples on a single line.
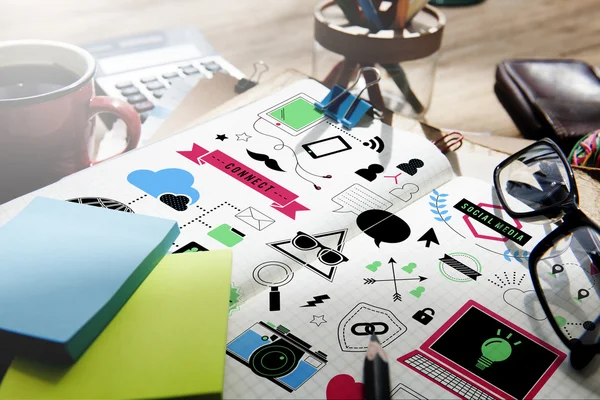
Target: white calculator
[(140, 68)]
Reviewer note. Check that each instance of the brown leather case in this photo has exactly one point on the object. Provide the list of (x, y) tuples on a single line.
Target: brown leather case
[(559, 99)]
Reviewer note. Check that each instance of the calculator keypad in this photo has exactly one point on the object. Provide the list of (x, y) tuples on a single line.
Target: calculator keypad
[(142, 92)]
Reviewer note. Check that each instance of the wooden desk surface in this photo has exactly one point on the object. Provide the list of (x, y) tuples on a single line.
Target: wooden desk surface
[(280, 32)]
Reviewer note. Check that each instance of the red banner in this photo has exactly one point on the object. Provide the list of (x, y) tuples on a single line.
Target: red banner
[(283, 200)]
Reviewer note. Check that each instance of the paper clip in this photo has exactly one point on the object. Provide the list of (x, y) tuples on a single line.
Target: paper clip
[(345, 107), (245, 84), (448, 142)]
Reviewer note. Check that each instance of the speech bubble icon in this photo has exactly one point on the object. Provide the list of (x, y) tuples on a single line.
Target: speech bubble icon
[(358, 199), (383, 226)]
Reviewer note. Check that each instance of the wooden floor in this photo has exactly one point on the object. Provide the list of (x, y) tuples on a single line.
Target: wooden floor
[(280, 32)]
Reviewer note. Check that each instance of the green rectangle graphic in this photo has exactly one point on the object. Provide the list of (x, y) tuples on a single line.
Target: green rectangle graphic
[(297, 114), (493, 222)]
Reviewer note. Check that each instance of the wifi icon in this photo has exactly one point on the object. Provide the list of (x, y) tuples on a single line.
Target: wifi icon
[(375, 144)]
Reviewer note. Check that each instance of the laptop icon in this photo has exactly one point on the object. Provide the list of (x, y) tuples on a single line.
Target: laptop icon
[(477, 354)]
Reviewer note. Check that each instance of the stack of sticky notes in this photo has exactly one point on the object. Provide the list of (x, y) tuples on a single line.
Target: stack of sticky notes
[(92, 306), (66, 270), (167, 341)]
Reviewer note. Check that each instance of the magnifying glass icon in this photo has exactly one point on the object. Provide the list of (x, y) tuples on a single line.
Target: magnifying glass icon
[(273, 274)]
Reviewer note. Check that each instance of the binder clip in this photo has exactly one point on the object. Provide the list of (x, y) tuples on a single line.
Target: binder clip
[(245, 84), (345, 107)]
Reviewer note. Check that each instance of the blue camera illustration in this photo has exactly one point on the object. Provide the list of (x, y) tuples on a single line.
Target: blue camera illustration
[(277, 355)]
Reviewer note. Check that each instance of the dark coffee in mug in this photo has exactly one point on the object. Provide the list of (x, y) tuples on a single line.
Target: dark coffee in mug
[(47, 110), (17, 81)]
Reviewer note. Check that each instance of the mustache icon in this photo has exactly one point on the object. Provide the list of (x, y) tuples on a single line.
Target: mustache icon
[(269, 162)]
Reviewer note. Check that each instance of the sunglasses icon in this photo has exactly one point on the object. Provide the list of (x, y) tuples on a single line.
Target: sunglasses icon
[(326, 255)]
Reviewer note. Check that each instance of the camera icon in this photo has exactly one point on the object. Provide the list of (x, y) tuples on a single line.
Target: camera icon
[(277, 355)]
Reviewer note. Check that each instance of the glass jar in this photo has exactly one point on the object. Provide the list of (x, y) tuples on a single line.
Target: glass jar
[(406, 60)]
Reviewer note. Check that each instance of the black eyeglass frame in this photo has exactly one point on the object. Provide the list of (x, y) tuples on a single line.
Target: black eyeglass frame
[(322, 249), (572, 200), (577, 219), (572, 219)]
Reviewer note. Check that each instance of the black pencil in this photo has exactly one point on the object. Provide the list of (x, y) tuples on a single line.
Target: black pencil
[(376, 372)]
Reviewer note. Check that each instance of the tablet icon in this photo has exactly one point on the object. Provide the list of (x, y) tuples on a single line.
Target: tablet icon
[(326, 147), (294, 116)]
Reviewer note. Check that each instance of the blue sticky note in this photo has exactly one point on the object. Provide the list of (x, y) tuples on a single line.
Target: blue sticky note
[(65, 271)]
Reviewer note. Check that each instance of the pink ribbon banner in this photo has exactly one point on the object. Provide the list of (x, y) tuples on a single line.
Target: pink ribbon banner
[(283, 200)]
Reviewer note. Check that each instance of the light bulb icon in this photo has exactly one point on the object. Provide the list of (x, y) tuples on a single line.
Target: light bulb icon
[(495, 349)]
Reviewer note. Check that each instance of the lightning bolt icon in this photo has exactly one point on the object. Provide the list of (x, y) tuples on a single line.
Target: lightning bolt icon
[(317, 300)]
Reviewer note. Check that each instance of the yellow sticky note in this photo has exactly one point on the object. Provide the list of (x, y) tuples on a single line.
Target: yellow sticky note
[(168, 340)]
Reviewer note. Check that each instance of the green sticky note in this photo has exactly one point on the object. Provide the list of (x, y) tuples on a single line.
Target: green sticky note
[(167, 341), (297, 114)]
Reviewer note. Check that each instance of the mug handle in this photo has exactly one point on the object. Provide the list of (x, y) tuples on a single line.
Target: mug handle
[(123, 110)]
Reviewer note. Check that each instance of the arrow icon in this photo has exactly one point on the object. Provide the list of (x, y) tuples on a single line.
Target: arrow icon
[(396, 296), (392, 262), (429, 237), (370, 281)]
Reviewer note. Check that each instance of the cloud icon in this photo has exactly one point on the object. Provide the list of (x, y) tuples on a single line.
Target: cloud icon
[(526, 302), (179, 203), (175, 184)]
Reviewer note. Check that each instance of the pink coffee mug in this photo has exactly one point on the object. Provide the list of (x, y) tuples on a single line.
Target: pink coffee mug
[(49, 135)]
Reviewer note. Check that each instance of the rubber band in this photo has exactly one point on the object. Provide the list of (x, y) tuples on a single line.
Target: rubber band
[(586, 153)]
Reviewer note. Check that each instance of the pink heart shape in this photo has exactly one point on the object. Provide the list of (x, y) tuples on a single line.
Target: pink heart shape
[(344, 387)]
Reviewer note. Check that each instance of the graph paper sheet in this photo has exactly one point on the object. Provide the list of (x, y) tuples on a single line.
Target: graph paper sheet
[(338, 234)]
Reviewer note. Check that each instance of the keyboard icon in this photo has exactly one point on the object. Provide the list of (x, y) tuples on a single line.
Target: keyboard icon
[(444, 377)]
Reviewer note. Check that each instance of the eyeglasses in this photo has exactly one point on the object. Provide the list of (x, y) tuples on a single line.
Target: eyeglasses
[(327, 256), (565, 266)]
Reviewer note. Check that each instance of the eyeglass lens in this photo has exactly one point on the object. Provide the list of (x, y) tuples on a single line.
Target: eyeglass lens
[(330, 257), (305, 242), (326, 255), (571, 284), (536, 180)]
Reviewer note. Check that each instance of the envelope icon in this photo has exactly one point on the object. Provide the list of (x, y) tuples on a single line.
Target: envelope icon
[(255, 218)]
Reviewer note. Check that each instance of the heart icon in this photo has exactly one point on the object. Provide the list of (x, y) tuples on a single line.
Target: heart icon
[(344, 387)]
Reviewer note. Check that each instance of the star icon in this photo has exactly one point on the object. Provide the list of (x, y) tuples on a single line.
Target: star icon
[(318, 320), (243, 137), (221, 137)]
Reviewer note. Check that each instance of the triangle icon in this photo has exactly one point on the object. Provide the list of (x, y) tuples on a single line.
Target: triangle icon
[(334, 240)]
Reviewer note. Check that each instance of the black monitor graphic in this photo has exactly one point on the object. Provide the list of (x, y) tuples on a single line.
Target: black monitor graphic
[(494, 353)]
